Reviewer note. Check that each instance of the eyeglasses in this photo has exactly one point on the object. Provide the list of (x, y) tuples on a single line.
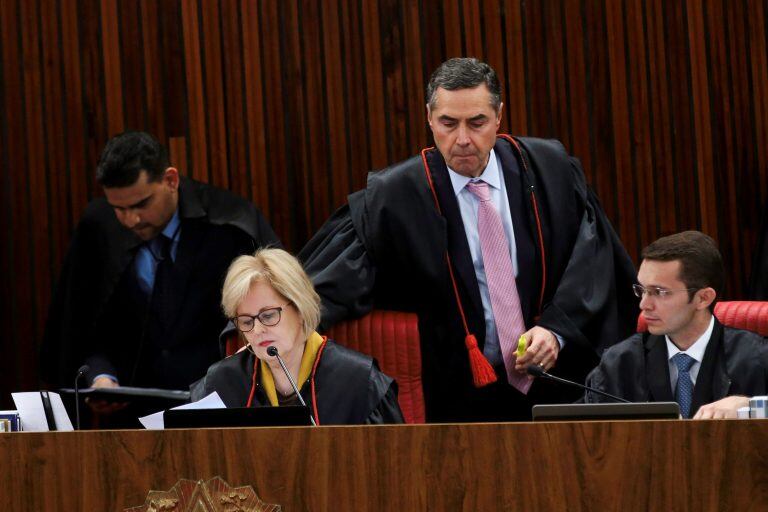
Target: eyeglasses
[(268, 318), (655, 291)]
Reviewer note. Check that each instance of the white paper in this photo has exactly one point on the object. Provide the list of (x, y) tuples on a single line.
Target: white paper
[(155, 421), (30, 407)]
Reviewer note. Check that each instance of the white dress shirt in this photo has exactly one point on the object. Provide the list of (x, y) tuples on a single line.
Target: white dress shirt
[(695, 351)]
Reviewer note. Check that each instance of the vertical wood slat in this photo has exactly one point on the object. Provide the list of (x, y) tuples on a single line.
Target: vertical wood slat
[(291, 103)]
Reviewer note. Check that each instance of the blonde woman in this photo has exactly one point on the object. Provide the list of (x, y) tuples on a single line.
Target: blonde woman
[(272, 303)]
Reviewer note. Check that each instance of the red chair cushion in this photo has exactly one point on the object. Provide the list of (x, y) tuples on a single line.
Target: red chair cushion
[(739, 314), (392, 337)]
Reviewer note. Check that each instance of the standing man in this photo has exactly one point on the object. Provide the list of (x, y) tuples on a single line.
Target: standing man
[(140, 289), (686, 356), (487, 237)]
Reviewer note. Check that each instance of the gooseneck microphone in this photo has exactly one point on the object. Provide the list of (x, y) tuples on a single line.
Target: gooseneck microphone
[(80, 373), (272, 352), (538, 371)]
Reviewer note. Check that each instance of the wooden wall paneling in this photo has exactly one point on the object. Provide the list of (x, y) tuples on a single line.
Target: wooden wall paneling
[(213, 80), (604, 169), (335, 59), (276, 160), (55, 152), (254, 106), (700, 98), (176, 93), (18, 365), (130, 60), (559, 99), (113, 79), (758, 60), (577, 86), (452, 34), (356, 91), (235, 129), (415, 79), (78, 171), (660, 136), (536, 72), (315, 173), (472, 26), (625, 189), (395, 92), (639, 123), (34, 257), (151, 63), (196, 107), (514, 82), (374, 82)]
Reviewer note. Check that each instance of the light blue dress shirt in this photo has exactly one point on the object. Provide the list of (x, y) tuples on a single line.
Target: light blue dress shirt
[(148, 256), (469, 205)]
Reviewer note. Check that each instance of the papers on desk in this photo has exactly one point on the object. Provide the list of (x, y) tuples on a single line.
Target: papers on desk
[(155, 421), (32, 411)]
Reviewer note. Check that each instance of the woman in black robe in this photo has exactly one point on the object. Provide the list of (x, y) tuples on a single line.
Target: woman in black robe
[(272, 303)]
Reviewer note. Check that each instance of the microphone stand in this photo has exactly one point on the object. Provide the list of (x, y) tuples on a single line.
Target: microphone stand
[(272, 351)]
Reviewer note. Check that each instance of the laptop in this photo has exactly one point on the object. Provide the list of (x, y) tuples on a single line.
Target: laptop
[(607, 411), (284, 416)]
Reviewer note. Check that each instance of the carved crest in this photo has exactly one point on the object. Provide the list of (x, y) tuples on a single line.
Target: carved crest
[(215, 495)]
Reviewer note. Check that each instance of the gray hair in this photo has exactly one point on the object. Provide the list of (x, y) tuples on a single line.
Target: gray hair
[(464, 73)]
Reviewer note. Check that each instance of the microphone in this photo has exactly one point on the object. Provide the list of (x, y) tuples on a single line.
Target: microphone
[(80, 372), (538, 371), (272, 352)]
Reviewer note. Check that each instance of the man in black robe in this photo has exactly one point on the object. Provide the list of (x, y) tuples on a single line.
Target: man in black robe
[(139, 295), (410, 241), (687, 355)]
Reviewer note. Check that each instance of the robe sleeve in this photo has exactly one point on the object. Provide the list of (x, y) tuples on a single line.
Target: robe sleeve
[(593, 304), (382, 393), (340, 268)]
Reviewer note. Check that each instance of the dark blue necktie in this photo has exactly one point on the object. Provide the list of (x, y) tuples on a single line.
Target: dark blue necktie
[(684, 391)]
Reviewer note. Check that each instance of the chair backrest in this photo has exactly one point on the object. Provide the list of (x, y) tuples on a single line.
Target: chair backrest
[(740, 314), (392, 337)]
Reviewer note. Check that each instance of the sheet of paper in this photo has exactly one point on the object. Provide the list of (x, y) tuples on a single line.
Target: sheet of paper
[(155, 421), (30, 407)]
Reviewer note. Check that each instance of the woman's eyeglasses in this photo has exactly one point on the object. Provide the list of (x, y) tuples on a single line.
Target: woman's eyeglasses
[(268, 318)]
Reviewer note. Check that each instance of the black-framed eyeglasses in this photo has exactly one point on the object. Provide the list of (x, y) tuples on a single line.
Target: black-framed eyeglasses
[(656, 291), (268, 318)]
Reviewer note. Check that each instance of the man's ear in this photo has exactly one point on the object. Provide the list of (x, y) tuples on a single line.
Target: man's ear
[(498, 115), (171, 177), (705, 297)]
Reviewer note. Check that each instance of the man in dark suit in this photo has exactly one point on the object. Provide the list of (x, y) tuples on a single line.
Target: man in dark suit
[(140, 290), (487, 237), (687, 355)]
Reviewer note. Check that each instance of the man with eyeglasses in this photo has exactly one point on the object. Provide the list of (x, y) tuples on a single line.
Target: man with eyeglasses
[(687, 355)]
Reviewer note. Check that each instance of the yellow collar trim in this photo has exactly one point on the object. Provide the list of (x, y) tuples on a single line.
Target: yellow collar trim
[(311, 348)]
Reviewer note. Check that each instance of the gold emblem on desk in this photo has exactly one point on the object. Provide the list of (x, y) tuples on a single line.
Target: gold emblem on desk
[(215, 495)]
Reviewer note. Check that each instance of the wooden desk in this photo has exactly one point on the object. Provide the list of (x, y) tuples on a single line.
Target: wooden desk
[(651, 465)]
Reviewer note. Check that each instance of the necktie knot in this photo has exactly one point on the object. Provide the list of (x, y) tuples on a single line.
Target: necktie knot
[(683, 361), (480, 190), (162, 247)]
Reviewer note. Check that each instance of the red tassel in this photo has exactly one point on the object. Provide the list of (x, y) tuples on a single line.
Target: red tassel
[(482, 371)]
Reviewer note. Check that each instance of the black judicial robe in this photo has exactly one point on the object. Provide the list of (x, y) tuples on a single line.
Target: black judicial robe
[(387, 247), (735, 363), (98, 314), (349, 387)]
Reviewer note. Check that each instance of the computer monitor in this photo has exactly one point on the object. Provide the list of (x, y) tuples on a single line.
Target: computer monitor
[(607, 411), (289, 415)]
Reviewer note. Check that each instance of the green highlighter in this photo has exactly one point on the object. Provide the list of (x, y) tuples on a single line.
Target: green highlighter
[(521, 346)]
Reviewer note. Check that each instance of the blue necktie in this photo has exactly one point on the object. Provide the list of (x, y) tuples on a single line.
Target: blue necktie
[(684, 392)]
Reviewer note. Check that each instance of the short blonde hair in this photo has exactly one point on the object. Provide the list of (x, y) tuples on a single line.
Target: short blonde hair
[(283, 272)]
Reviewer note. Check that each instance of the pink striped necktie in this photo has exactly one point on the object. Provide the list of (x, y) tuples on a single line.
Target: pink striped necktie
[(500, 276)]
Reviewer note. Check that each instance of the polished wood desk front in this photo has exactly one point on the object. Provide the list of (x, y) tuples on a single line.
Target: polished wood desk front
[(639, 465)]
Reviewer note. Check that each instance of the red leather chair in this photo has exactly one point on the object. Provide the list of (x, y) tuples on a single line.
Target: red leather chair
[(740, 314), (392, 337)]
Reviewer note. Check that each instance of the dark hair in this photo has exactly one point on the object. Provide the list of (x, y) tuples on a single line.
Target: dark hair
[(464, 73), (126, 155), (701, 265)]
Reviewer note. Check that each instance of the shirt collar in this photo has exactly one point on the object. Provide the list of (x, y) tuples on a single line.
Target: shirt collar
[(490, 175), (172, 227), (696, 351)]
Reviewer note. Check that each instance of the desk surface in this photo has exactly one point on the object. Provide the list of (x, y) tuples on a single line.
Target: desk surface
[(634, 465)]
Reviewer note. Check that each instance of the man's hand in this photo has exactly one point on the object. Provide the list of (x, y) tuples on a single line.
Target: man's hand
[(102, 406), (727, 407), (542, 349)]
